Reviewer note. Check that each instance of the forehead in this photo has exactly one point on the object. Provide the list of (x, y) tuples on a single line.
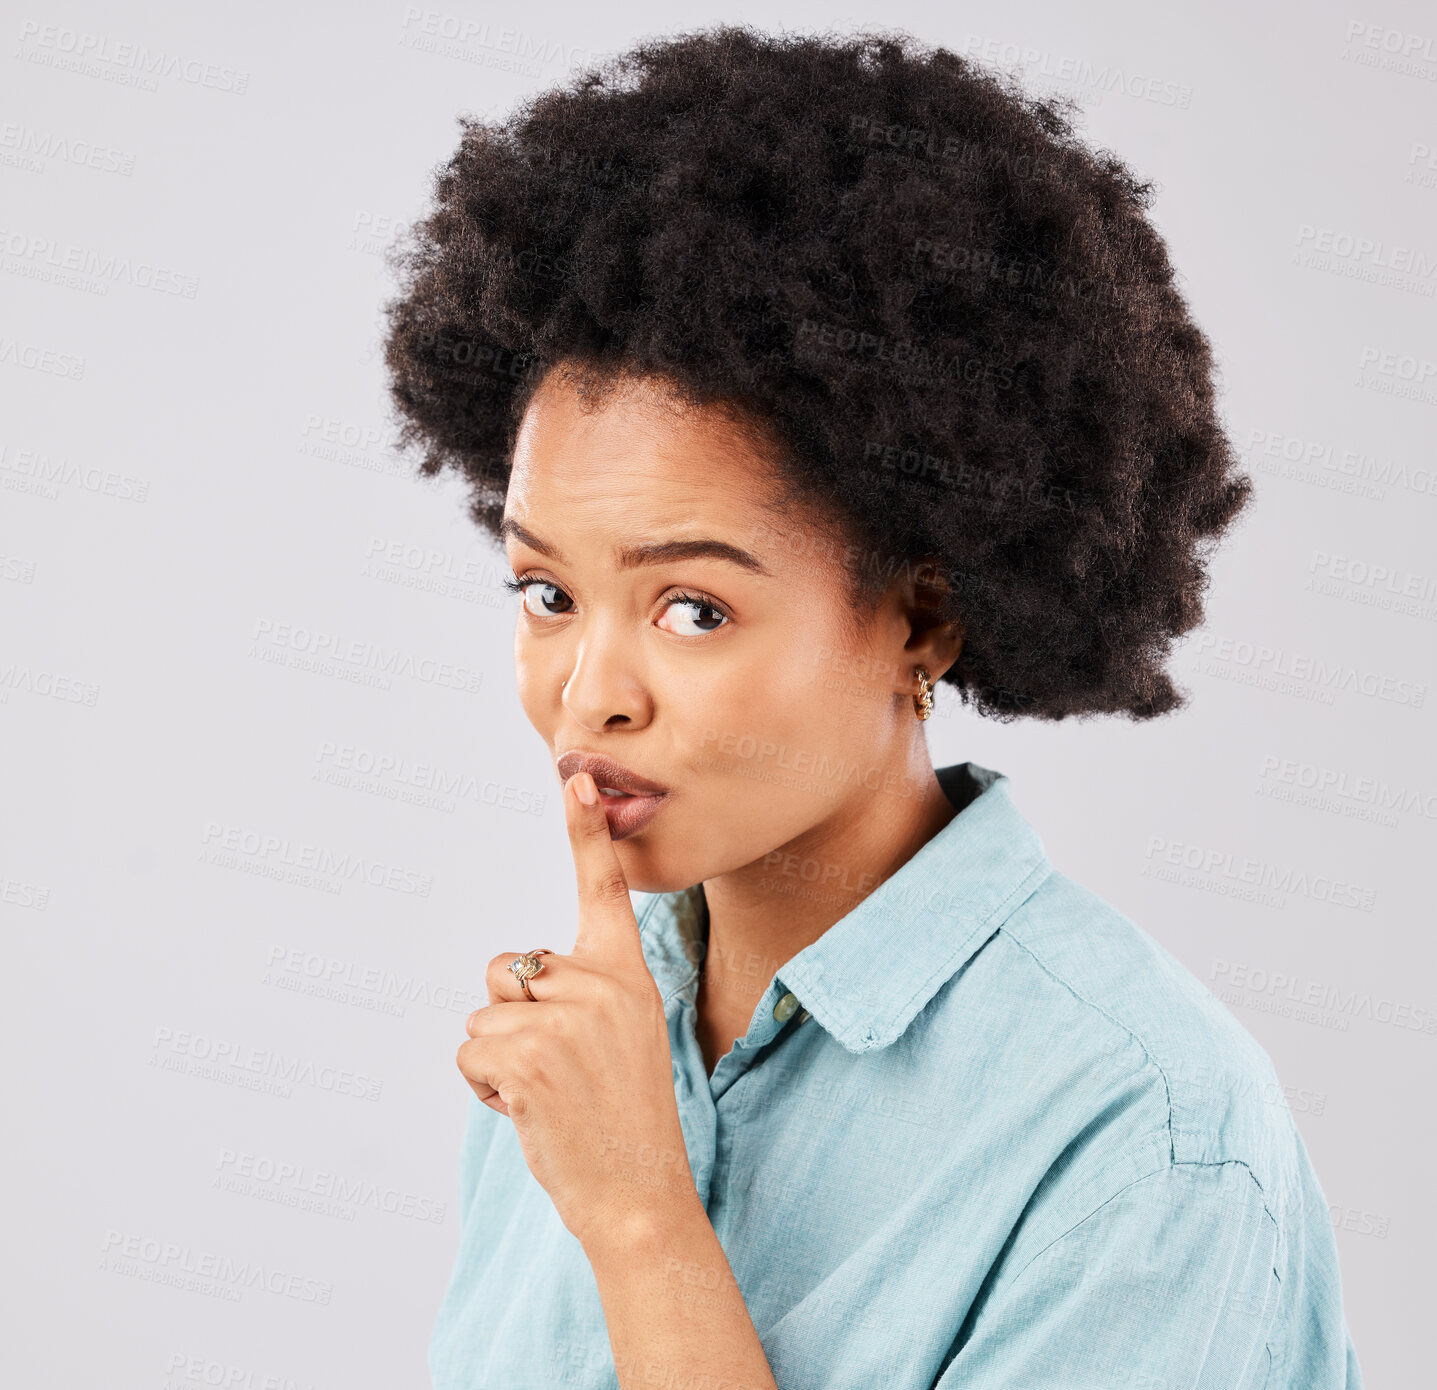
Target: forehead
[(639, 462)]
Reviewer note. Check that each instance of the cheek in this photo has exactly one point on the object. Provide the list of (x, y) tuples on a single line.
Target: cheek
[(761, 737), (533, 682), (756, 700)]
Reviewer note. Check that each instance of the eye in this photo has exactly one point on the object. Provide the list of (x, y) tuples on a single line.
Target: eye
[(541, 598), (697, 613), (703, 613)]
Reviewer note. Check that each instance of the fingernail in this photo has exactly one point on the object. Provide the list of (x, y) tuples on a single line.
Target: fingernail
[(585, 789)]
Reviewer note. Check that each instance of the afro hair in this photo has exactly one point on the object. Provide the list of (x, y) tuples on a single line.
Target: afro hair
[(952, 319)]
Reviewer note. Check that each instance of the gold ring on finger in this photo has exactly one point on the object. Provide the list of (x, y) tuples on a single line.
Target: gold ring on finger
[(526, 965)]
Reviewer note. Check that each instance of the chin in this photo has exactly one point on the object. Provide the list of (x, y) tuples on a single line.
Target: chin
[(648, 872), (658, 862)]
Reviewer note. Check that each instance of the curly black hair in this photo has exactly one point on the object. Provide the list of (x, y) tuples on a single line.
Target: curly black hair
[(953, 321)]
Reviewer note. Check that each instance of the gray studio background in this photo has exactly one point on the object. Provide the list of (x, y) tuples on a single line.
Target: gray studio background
[(205, 537)]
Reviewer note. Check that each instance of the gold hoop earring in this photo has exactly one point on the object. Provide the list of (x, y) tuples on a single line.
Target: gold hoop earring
[(923, 700)]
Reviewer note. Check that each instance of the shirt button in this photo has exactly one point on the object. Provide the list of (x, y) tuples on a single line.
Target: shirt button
[(786, 1007)]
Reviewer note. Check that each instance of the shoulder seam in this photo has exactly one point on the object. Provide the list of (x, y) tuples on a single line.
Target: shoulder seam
[(1118, 1024), (1112, 1197), (1156, 1172), (1238, 1163)]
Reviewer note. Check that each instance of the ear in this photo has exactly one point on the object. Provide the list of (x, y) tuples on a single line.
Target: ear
[(935, 631)]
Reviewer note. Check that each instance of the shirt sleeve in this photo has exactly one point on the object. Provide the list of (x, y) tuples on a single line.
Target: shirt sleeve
[(1168, 1285)]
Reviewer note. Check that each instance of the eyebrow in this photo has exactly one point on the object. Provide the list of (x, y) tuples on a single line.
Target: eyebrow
[(651, 553)]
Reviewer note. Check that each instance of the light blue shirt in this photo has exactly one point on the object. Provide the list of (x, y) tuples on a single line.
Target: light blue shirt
[(984, 1132)]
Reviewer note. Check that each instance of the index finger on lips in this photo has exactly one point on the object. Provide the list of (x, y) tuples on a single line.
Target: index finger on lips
[(606, 916)]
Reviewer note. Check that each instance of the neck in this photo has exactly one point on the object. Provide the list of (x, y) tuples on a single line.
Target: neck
[(764, 914)]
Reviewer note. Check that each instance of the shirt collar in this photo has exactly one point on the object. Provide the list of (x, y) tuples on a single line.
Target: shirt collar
[(868, 976)]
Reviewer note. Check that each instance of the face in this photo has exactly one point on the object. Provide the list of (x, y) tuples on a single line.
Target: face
[(675, 621)]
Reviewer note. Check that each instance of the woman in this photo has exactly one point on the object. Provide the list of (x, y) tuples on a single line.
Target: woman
[(797, 375)]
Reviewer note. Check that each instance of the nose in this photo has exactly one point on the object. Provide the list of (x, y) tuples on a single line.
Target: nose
[(603, 689)]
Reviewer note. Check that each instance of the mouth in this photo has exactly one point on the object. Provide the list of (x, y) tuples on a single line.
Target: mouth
[(630, 802)]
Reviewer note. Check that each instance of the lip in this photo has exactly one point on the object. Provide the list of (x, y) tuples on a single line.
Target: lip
[(627, 815)]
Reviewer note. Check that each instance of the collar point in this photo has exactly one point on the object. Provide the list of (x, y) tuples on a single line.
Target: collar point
[(861, 1041)]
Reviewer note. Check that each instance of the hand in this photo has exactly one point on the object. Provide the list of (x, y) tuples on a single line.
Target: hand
[(583, 1069)]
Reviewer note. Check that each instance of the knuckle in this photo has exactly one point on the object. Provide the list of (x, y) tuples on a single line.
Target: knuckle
[(528, 1053), (611, 887), (604, 989)]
